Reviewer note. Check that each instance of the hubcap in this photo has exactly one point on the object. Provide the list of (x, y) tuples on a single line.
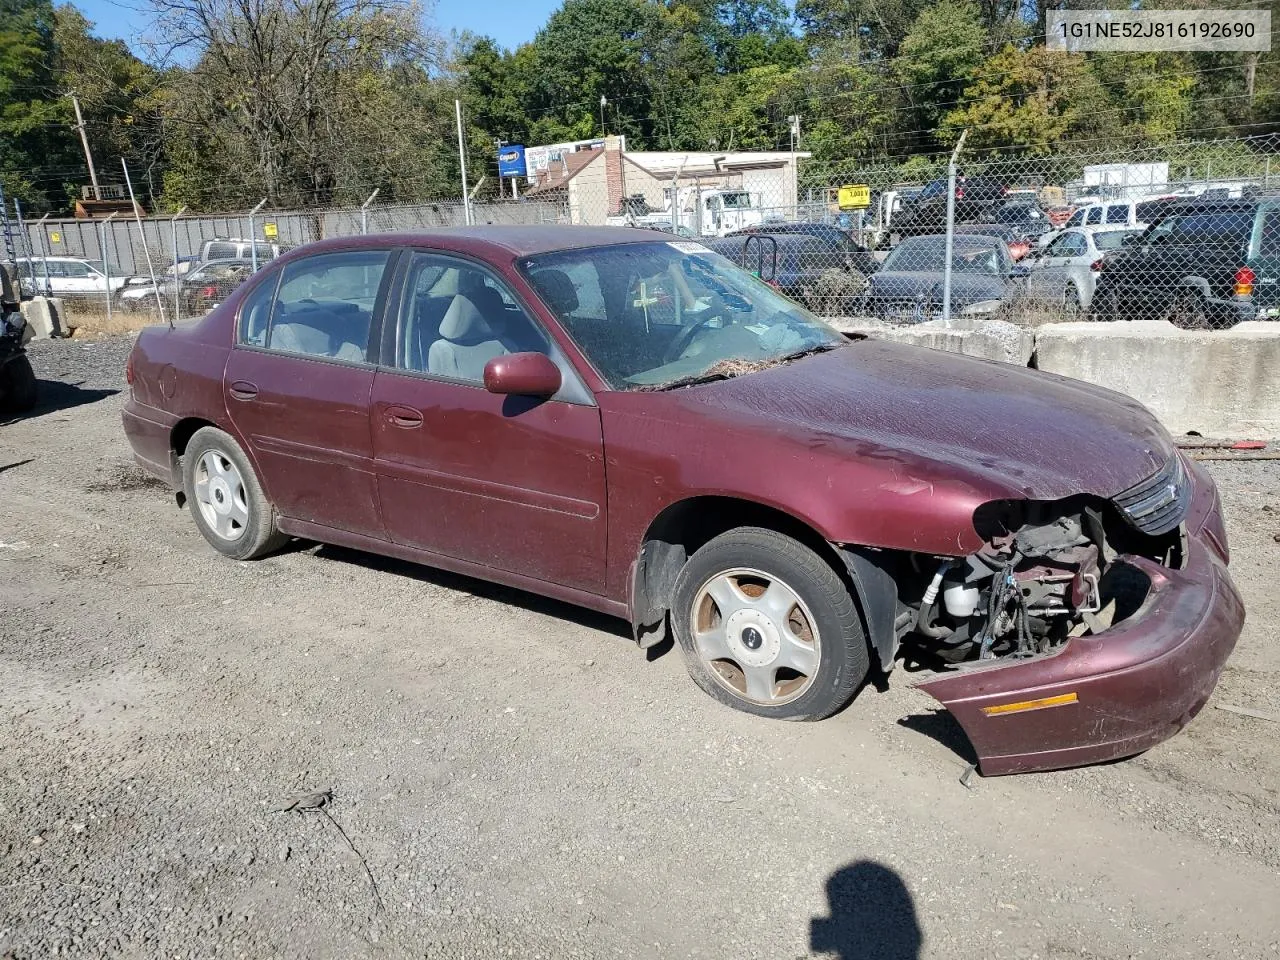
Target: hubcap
[(756, 635), (219, 493)]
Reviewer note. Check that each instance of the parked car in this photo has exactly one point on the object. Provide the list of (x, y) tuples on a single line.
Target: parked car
[(72, 278), (908, 286), (974, 199), (1030, 220), (238, 248), (503, 403), (1066, 272), (1204, 264), (801, 266), (1014, 237), (202, 289), (850, 254), (1137, 214)]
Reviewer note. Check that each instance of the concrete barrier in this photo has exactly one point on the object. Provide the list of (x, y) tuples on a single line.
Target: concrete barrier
[(1219, 383), (45, 316), (988, 339)]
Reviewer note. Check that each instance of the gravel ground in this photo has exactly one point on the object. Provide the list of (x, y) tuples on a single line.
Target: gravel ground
[(511, 777)]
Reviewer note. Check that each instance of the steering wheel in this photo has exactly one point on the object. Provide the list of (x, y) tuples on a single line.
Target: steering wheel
[(681, 342)]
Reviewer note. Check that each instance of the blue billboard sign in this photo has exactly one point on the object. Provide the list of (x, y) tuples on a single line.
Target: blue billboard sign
[(511, 161)]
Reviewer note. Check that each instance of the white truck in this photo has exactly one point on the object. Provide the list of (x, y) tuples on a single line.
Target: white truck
[(698, 213)]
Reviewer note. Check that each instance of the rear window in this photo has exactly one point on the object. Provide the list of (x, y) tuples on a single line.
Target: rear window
[(1269, 233), (218, 250), (1216, 225), (1112, 239)]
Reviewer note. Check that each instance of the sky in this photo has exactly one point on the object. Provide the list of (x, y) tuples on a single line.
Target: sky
[(510, 22)]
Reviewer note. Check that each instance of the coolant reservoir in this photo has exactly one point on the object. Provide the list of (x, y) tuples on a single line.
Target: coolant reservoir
[(960, 599)]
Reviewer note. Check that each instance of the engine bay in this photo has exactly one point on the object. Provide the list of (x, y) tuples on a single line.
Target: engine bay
[(1046, 572)]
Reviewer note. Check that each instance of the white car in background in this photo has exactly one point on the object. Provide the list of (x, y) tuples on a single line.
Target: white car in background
[(71, 278), (1064, 274)]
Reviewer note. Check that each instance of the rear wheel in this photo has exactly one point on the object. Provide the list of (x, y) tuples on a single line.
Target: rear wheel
[(1190, 313), (226, 498), (766, 626), (1071, 308), (1106, 306), (18, 385)]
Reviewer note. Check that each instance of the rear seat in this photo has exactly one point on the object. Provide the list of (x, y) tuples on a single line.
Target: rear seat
[(321, 329)]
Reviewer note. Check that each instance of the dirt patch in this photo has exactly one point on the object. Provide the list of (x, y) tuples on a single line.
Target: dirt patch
[(124, 477)]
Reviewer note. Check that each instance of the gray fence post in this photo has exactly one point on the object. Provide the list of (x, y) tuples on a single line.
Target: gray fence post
[(364, 212), (44, 256), (106, 260), (951, 229), (253, 236), (177, 277)]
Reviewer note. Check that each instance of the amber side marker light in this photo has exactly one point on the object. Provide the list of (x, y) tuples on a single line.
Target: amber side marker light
[(1024, 705)]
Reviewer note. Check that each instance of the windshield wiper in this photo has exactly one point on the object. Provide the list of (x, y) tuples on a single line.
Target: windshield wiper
[(806, 351), (689, 381)]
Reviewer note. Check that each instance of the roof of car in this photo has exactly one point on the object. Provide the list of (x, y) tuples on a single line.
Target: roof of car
[(522, 241)]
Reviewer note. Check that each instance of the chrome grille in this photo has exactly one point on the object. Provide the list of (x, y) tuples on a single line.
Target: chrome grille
[(1157, 504)]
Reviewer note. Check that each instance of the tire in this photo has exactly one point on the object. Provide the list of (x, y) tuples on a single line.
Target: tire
[(230, 509), (1190, 313), (772, 584), (18, 391), (1071, 307), (1104, 307)]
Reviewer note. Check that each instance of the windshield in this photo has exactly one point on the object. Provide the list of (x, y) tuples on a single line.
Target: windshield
[(1112, 239), (737, 199), (653, 315), (969, 255)]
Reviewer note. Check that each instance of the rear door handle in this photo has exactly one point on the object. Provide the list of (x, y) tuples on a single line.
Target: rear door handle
[(405, 417), (244, 390)]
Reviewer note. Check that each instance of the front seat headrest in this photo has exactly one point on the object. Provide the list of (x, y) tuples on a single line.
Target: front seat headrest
[(558, 290), (463, 323)]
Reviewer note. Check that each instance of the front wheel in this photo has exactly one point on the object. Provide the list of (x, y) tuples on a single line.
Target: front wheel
[(225, 497), (767, 626)]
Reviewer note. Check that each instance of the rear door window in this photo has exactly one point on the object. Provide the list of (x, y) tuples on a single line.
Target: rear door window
[(1093, 215), (1118, 213)]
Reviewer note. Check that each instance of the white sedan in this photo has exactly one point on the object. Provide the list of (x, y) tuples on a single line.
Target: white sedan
[(1065, 273)]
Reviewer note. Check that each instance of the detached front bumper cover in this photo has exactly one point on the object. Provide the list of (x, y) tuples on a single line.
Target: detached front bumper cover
[(1109, 695)]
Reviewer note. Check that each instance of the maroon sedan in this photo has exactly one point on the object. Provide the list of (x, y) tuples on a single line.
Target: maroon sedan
[(633, 424)]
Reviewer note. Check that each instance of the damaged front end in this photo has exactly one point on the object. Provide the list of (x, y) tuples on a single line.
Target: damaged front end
[(1082, 629)]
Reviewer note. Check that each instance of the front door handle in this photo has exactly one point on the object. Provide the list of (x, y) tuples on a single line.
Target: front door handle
[(405, 417), (244, 390)]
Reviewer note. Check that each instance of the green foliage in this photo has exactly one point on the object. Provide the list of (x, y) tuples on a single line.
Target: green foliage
[(318, 102)]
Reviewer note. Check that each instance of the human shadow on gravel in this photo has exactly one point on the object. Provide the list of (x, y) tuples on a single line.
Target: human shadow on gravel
[(474, 587), (54, 395), (871, 916)]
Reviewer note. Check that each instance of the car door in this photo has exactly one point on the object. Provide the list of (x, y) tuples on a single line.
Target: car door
[(1046, 281), (298, 383), (508, 482), (79, 280)]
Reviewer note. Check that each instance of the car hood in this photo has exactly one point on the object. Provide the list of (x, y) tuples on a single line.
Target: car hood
[(912, 285), (1007, 430)]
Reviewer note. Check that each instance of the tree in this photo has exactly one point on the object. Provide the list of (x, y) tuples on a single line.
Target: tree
[(1029, 99), (301, 101), (937, 60), (38, 152)]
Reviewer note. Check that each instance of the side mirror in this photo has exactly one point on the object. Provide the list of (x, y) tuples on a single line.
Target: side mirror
[(523, 374)]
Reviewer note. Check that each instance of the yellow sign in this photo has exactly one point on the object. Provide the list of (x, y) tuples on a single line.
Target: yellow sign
[(269, 231), (55, 237), (854, 196)]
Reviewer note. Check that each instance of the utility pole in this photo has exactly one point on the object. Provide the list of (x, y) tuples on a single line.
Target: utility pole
[(794, 121), (84, 142)]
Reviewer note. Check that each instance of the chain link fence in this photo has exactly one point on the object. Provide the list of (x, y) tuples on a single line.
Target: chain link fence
[(1183, 232)]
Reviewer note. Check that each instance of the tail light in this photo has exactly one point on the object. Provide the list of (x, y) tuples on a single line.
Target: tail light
[(128, 370), (1097, 265), (959, 193), (1245, 279), (208, 292)]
